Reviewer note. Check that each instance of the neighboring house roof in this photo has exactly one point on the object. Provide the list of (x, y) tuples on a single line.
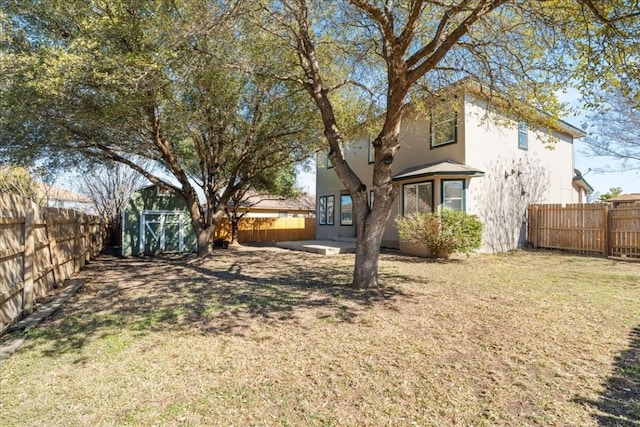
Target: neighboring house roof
[(51, 192), (441, 168), (304, 202), (578, 179), (626, 198)]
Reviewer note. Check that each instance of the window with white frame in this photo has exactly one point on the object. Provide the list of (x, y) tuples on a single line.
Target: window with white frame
[(523, 139), (371, 197), (444, 129), (346, 210), (417, 197), (453, 194), (325, 210)]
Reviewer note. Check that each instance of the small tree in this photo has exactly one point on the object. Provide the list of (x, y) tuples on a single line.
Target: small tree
[(109, 188), (17, 180), (274, 184), (443, 233), (613, 192)]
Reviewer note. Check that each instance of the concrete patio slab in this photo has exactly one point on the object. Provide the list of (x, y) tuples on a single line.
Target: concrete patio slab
[(323, 247)]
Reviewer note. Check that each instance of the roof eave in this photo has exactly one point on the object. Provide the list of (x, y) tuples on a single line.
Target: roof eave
[(430, 174)]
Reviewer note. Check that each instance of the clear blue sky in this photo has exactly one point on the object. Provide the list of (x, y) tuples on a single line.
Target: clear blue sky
[(602, 182)]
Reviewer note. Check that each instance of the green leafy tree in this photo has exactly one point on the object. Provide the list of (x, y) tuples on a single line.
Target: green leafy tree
[(17, 180), (389, 54), (274, 184), (605, 35), (613, 192), (443, 232), (120, 81)]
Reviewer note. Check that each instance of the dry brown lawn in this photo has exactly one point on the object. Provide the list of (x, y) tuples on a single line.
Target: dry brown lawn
[(263, 336)]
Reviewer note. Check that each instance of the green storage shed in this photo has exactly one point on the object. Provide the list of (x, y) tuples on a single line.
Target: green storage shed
[(155, 221)]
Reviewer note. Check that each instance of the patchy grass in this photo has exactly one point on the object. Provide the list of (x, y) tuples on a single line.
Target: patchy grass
[(262, 336)]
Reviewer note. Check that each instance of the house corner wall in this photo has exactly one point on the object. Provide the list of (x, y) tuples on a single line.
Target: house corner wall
[(514, 178)]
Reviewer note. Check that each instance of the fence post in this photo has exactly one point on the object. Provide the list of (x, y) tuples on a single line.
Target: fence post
[(536, 231), (607, 230), (76, 244), (53, 249), (29, 252), (86, 240)]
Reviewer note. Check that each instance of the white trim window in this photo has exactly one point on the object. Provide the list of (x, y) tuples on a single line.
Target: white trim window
[(523, 136)]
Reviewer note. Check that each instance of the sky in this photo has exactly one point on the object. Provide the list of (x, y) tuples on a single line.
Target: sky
[(601, 182)]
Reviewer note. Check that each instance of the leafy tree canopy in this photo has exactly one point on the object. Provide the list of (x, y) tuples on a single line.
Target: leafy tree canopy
[(613, 192), (161, 81)]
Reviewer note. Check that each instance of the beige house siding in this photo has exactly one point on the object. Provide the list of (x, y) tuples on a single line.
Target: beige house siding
[(513, 177)]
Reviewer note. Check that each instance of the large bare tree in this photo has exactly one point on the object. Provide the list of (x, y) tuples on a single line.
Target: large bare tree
[(109, 187)]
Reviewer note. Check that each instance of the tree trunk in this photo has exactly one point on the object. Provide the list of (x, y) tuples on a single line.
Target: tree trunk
[(234, 230), (204, 236), (365, 271), (370, 225)]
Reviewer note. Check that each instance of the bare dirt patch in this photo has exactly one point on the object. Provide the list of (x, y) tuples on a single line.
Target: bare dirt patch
[(264, 336)]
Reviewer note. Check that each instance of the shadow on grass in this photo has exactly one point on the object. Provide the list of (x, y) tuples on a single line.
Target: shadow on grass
[(619, 405), (226, 294)]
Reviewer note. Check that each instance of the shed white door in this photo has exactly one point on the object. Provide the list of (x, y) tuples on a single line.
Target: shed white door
[(161, 231)]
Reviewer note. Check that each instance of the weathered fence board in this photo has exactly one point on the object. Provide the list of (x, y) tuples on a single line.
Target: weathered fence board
[(39, 249), (585, 228)]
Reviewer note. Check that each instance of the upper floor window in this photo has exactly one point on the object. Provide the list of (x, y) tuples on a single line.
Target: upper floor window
[(417, 198), (372, 152), (523, 140), (325, 210), (328, 161), (444, 126), (453, 194), (346, 210)]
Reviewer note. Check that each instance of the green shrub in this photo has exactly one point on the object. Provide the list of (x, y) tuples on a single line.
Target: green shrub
[(443, 233)]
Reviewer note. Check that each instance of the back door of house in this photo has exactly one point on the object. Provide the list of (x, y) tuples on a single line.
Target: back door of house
[(161, 231)]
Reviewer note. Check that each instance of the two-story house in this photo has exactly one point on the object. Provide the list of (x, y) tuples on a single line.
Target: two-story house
[(462, 157)]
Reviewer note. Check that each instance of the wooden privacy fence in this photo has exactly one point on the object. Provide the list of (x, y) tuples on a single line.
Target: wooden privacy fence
[(586, 228), (269, 229), (39, 249)]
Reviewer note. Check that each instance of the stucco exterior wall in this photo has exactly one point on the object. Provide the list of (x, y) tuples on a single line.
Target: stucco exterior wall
[(513, 177)]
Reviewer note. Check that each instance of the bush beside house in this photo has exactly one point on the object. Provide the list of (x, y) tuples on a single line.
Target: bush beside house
[(441, 233)]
